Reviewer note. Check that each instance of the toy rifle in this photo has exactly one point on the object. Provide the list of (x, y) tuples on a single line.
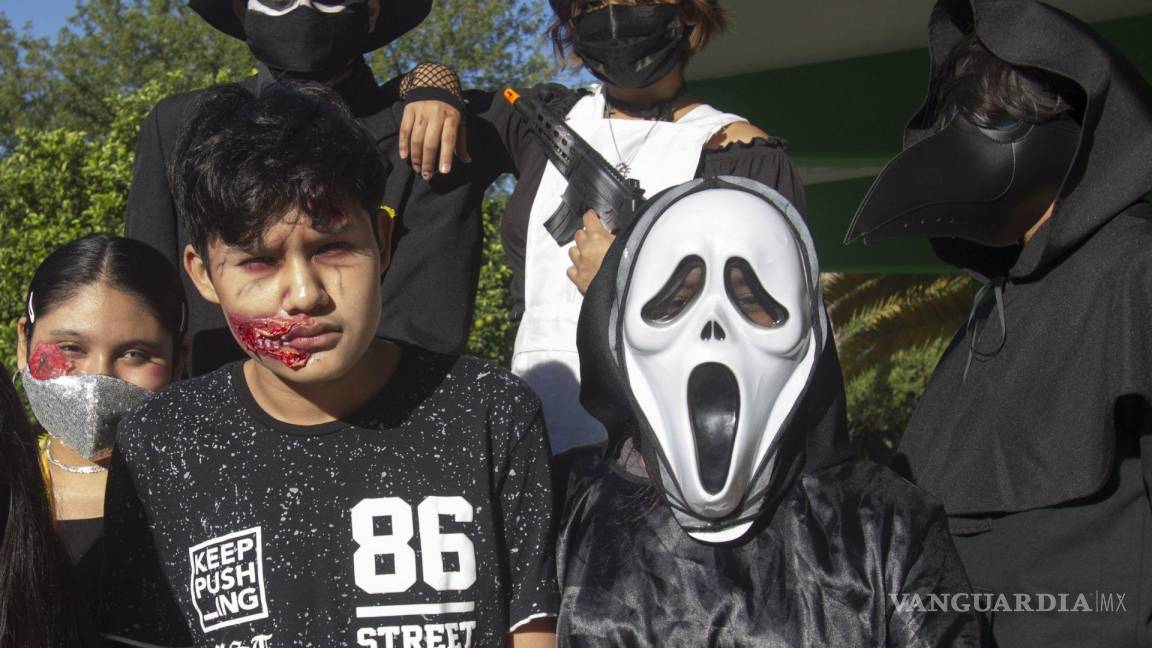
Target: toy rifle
[(593, 183)]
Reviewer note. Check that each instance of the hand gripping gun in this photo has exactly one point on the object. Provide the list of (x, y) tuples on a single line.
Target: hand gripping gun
[(593, 183)]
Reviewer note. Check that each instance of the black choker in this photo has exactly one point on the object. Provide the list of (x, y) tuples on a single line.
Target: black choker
[(659, 111)]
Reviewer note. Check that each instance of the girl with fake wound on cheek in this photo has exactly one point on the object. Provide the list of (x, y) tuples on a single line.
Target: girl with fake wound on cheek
[(102, 331)]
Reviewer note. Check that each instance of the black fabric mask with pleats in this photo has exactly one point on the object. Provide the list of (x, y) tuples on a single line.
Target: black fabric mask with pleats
[(630, 46), (305, 41)]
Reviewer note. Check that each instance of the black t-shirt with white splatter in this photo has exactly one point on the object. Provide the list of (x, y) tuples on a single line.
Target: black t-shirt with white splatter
[(423, 520)]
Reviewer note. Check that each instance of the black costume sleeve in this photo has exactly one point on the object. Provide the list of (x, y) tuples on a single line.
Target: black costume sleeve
[(501, 139), (151, 213), (429, 289), (500, 136), (764, 160), (137, 606), (530, 526)]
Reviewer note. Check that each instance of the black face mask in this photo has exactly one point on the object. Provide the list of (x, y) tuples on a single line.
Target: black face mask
[(308, 42), (985, 185), (630, 46)]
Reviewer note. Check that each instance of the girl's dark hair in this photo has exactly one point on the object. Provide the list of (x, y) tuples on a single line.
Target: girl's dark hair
[(975, 84), (707, 18), (242, 161), (40, 604), (124, 264)]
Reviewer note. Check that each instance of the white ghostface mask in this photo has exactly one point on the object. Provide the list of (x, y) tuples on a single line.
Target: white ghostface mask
[(82, 410), (721, 324)]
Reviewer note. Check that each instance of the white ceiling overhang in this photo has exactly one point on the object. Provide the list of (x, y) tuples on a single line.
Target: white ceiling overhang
[(775, 34)]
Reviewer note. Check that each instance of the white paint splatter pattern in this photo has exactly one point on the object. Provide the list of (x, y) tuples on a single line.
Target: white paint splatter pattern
[(201, 461)]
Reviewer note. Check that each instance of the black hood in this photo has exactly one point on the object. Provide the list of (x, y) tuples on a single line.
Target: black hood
[(397, 17), (815, 436), (1112, 168), (1037, 397)]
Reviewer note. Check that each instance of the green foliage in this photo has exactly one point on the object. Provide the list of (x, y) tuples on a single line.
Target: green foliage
[(890, 333), (59, 184), (111, 48), (492, 334), (490, 43), (882, 397)]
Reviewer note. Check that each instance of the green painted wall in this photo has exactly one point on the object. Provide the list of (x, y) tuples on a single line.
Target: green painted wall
[(851, 113)]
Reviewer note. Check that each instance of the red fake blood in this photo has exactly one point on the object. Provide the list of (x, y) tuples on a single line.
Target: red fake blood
[(264, 336), (47, 362)]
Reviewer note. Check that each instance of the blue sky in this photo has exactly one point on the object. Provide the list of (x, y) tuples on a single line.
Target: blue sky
[(46, 16)]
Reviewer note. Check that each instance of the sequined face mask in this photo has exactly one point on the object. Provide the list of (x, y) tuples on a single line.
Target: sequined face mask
[(82, 411)]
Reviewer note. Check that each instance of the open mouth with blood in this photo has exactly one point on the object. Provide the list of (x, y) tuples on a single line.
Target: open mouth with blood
[(291, 340), (48, 361)]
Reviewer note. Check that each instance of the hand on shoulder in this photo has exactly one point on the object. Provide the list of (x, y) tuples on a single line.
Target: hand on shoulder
[(736, 132)]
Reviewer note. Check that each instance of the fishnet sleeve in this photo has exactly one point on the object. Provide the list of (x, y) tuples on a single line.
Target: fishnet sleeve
[(432, 81)]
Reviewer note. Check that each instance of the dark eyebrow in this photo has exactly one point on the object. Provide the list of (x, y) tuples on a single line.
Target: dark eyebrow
[(146, 344), (66, 333)]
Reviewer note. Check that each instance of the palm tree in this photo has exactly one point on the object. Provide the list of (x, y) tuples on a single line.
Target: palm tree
[(890, 331)]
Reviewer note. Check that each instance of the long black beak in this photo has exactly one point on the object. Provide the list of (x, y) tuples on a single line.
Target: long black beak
[(937, 187)]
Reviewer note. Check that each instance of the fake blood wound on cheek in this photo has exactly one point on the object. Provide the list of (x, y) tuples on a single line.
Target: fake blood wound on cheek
[(264, 336), (48, 361)]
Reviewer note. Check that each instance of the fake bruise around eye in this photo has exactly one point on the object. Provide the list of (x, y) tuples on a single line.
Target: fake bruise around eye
[(271, 337), (48, 361)]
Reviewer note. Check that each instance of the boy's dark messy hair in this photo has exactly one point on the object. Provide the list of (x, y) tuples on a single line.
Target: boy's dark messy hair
[(242, 161), (984, 89)]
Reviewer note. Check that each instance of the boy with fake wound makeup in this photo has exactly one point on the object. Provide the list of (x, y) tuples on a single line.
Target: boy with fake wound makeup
[(428, 295), (336, 488), (1027, 167)]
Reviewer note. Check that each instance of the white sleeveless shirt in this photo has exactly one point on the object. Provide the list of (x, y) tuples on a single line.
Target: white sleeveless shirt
[(660, 155)]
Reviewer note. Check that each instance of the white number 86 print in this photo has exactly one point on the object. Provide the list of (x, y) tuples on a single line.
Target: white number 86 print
[(433, 544)]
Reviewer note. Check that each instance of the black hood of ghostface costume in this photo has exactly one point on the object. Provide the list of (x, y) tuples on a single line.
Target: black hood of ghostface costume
[(1111, 163), (814, 434), (397, 17)]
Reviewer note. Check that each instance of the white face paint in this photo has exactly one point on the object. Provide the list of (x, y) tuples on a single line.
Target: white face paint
[(718, 345), (281, 7)]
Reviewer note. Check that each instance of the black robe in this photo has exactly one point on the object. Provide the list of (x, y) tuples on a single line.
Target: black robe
[(823, 572), (835, 558), (429, 289), (1036, 433)]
